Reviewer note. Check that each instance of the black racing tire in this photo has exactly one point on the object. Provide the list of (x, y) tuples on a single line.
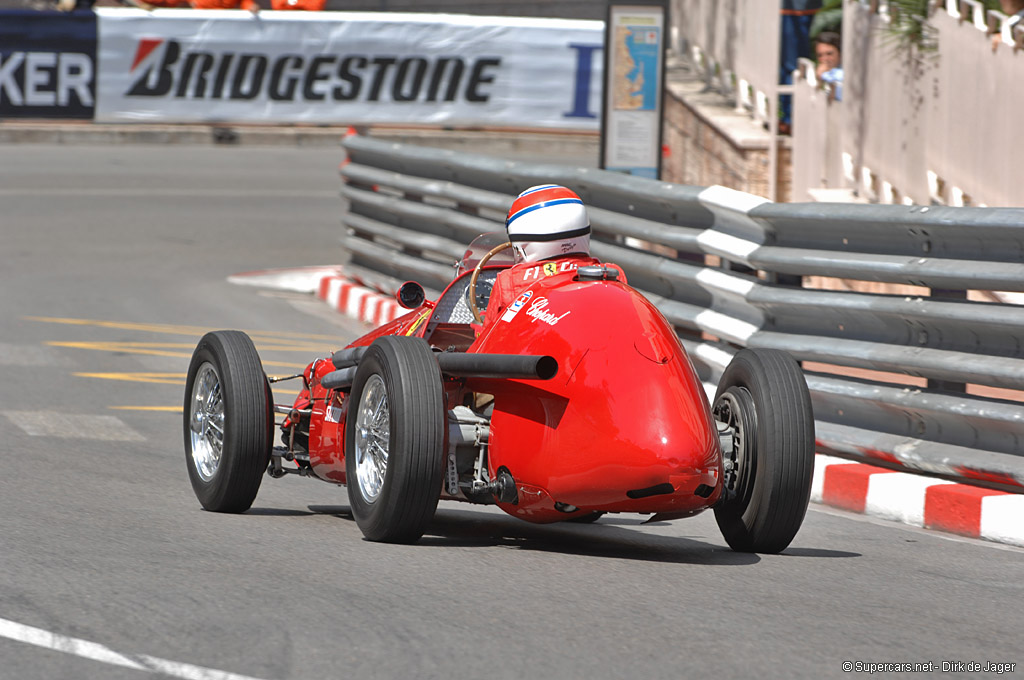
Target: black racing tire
[(228, 421), (394, 440), (764, 397)]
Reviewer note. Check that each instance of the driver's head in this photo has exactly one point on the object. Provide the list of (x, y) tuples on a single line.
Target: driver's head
[(548, 221)]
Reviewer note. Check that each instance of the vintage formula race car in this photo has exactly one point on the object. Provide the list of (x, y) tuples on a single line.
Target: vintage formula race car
[(579, 400)]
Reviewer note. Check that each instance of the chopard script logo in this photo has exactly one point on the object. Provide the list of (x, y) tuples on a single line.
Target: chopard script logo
[(538, 310)]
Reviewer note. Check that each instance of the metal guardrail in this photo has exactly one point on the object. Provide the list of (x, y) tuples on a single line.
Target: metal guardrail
[(726, 268)]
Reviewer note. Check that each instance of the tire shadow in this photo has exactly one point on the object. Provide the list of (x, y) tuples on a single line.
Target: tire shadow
[(466, 529), (613, 537)]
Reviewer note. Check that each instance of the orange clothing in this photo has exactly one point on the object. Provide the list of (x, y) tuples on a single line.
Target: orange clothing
[(512, 282), (308, 5), (249, 5)]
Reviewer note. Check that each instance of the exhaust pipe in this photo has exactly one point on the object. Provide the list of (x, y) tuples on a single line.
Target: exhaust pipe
[(455, 364), (344, 358), (526, 367)]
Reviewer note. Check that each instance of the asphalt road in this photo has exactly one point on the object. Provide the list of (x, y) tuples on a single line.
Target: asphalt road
[(115, 262)]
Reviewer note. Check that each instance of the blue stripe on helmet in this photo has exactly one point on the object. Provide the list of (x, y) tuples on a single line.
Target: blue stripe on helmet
[(545, 204)]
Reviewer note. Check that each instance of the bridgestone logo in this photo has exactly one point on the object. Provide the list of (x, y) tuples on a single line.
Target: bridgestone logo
[(289, 78)]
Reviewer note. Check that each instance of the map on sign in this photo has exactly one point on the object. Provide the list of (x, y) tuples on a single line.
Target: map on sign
[(636, 78)]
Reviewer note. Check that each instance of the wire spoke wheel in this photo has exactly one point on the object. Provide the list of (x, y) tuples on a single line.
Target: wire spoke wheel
[(207, 422), (373, 434)]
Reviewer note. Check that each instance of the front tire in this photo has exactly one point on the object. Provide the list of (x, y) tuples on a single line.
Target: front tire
[(764, 398), (394, 440), (228, 421)]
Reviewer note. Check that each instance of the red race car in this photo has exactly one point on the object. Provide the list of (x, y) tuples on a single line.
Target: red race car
[(577, 400)]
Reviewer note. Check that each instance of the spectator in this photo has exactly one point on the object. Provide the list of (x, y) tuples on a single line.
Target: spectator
[(828, 51), (797, 16), (1013, 9)]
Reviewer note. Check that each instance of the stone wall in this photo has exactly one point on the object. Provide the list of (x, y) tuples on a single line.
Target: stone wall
[(707, 141)]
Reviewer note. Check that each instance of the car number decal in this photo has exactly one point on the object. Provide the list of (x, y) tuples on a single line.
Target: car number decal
[(514, 308)]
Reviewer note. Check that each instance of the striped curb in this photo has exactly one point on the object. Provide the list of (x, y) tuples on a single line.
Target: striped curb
[(918, 500), (357, 301)]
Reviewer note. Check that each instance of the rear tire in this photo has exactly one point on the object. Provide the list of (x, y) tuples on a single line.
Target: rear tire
[(764, 397), (228, 421), (394, 440)]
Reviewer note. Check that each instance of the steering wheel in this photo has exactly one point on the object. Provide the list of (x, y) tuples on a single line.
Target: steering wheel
[(471, 291)]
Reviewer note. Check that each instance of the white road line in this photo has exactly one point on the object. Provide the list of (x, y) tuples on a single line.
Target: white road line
[(97, 652), (71, 426)]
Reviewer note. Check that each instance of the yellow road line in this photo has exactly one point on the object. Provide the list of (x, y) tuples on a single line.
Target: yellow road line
[(159, 378), (167, 409), (269, 336), (149, 349)]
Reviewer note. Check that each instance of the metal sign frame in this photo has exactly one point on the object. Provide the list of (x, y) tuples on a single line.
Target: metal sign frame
[(631, 137)]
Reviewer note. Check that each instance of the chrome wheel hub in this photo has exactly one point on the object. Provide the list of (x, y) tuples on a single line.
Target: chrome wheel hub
[(372, 438), (206, 422)]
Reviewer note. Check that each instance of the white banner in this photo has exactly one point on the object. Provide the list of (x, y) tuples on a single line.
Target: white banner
[(348, 68)]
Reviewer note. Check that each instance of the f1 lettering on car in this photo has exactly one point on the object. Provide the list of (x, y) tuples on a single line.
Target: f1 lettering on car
[(292, 77)]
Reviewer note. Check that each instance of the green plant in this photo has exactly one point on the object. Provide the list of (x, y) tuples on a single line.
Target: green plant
[(909, 31), (828, 18)]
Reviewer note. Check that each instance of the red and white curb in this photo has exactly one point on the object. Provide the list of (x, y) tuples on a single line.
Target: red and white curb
[(918, 500), (345, 294), (359, 302)]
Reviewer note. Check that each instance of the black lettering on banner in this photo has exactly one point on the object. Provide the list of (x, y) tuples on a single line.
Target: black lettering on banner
[(382, 64), (355, 81), (438, 76), (205, 62), (288, 94), (222, 75), (404, 91), (478, 78), (244, 78), (287, 78), (165, 77), (314, 76)]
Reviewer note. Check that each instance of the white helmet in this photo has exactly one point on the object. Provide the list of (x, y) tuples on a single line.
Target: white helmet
[(548, 221)]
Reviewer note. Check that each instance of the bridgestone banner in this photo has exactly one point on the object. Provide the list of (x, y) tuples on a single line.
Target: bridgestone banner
[(348, 68), (47, 64)]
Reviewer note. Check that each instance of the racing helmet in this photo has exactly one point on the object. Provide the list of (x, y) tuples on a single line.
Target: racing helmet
[(548, 221)]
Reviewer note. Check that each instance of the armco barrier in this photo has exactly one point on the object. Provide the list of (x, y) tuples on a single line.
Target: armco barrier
[(895, 379)]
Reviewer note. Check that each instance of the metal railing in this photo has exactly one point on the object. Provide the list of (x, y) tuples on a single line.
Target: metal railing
[(895, 379)]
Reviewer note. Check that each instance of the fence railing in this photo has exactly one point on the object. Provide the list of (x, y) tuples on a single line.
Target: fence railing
[(925, 381)]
